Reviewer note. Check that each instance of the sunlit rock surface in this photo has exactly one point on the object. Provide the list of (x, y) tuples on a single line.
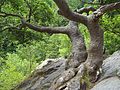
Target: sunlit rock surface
[(110, 79), (52, 69)]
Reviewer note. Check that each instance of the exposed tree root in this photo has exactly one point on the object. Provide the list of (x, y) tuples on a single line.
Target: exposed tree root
[(74, 78)]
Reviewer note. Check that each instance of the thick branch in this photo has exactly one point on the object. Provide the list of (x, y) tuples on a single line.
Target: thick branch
[(105, 8), (37, 28), (56, 30), (65, 11), (78, 53), (95, 50)]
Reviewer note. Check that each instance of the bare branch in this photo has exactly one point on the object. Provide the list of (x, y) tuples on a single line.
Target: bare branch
[(4, 14), (36, 28), (65, 11), (7, 28), (86, 9), (18, 27), (52, 30), (105, 8)]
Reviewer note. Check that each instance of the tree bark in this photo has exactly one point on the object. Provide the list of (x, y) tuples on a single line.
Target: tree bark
[(78, 53), (95, 50)]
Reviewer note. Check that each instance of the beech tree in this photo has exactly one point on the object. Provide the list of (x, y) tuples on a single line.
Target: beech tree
[(82, 60)]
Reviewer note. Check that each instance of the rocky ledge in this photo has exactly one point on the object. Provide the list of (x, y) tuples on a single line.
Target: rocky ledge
[(51, 69)]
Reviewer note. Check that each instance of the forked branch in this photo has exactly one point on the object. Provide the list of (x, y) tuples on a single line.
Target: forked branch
[(52, 30), (105, 8), (56, 30), (65, 11)]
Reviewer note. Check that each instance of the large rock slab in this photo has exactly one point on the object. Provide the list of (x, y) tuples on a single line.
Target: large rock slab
[(111, 65), (112, 83), (53, 71), (110, 79), (44, 75)]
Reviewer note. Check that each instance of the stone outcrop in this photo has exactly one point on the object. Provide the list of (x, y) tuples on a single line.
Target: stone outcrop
[(53, 71), (43, 76)]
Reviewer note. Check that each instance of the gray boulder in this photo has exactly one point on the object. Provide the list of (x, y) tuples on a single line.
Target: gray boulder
[(44, 75), (110, 79), (111, 83), (111, 66)]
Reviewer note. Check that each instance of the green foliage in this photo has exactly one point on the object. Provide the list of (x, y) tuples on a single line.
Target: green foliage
[(85, 34), (42, 12), (32, 52), (65, 46), (74, 4), (111, 25), (13, 71), (111, 1)]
